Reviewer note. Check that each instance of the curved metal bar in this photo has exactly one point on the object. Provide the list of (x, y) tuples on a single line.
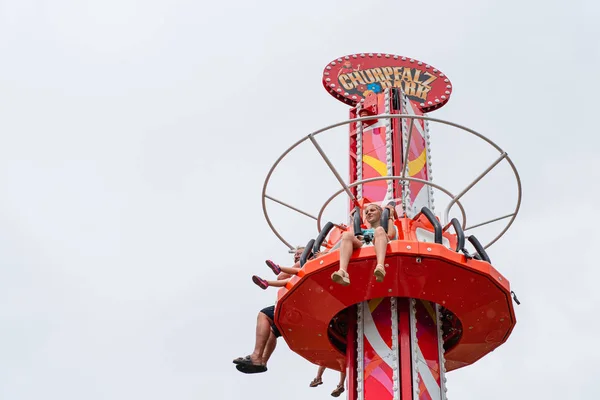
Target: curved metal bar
[(290, 207), (307, 253), (487, 222), (356, 222), (396, 116), (518, 206), (264, 190), (385, 215), (437, 227), (473, 183), (460, 234), (479, 249), (331, 167), (395, 178), (407, 149), (322, 235)]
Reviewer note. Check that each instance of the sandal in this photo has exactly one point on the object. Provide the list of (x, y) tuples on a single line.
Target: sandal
[(341, 277), (274, 267), (338, 390), (240, 360), (260, 282), (316, 382), (251, 368), (379, 273), (247, 366)]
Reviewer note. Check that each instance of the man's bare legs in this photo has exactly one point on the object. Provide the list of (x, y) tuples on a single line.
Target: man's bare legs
[(269, 348), (263, 333)]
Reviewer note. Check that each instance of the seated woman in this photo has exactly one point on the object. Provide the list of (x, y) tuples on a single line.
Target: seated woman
[(372, 218), (283, 273)]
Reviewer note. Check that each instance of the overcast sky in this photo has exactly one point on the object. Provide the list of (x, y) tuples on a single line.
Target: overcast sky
[(135, 137)]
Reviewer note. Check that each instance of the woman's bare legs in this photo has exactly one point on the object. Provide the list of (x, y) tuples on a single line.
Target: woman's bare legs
[(290, 270), (342, 378), (263, 283), (349, 243), (340, 387), (280, 283), (320, 373), (380, 241), (319, 378)]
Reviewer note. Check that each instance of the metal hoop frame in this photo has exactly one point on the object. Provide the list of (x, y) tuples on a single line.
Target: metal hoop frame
[(455, 199)]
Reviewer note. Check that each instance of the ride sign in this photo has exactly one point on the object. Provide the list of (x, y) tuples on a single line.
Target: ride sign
[(356, 76)]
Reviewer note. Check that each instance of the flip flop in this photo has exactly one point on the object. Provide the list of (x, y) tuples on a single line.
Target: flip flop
[(260, 282), (251, 368), (316, 382), (274, 267), (340, 277), (338, 390)]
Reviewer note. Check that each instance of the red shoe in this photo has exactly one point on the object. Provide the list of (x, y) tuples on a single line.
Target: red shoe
[(260, 282), (274, 267)]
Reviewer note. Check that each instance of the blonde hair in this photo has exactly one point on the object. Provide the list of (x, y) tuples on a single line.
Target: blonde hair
[(377, 206)]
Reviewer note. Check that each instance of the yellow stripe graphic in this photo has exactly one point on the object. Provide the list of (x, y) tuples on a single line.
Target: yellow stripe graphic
[(414, 167)]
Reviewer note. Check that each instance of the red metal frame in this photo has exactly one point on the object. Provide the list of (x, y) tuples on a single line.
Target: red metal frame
[(473, 290), (351, 353), (405, 350)]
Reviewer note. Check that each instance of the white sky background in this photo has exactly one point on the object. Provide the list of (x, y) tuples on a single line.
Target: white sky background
[(135, 138)]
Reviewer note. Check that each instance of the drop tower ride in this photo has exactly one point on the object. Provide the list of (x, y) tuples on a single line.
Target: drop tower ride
[(442, 306)]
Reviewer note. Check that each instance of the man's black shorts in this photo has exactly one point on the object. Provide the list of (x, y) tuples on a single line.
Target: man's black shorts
[(270, 312)]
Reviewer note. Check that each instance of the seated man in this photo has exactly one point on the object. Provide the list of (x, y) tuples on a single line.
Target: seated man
[(266, 340), (266, 331)]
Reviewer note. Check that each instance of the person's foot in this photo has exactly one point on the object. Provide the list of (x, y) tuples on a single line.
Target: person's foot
[(274, 267), (260, 282), (248, 360), (379, 273), (338, 390), (341, 277), (316, 382), (247, 365)]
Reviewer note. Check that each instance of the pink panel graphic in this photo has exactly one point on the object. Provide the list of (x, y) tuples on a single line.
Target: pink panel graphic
[(417, 155), (377, 343), (427, 339)]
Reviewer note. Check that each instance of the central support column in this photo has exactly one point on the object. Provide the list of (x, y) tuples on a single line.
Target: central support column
[(397, 351), (398, 344)]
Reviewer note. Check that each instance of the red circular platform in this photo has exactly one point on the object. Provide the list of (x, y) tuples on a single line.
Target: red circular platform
[(473, 290)]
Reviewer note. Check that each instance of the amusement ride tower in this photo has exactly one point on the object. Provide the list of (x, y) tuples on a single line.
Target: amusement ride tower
[(441, 306)]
